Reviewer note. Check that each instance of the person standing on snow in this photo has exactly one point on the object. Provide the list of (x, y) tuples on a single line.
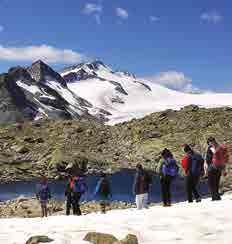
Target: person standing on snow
[(141, 187), (168, 171), (79, 189), (103, 191), (69, 195), (43, 194), (193, 165), (217, 157), (74, 191)]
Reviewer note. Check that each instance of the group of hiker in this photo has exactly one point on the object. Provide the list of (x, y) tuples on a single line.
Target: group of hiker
[(193, 163)]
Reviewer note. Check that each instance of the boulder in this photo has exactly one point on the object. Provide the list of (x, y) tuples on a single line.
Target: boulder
[(20, 149), (38, 239), (100, 238), (130, 239)]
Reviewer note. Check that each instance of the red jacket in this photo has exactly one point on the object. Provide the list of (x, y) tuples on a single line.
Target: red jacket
[(184, 163)]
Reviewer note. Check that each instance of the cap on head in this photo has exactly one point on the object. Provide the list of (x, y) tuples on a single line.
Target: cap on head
[(187, 148), (211, 140), (139, 166), (166, 153)]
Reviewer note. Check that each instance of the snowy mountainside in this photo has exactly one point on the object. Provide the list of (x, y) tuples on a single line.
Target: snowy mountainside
[(125, 97), (91, 91)]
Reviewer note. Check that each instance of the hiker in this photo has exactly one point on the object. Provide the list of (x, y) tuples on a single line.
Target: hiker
[(141, 187), (43, 194), (69, 195), (79, 189), (103, 191), (217, 157), (193, 165), (168, 171)]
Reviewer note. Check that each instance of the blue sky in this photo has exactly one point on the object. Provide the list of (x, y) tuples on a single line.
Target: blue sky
[(186, 42)]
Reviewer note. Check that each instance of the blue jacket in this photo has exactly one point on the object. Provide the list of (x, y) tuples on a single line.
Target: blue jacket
[(43, 192)]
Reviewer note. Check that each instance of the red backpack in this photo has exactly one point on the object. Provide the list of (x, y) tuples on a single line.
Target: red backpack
[(221, 156)]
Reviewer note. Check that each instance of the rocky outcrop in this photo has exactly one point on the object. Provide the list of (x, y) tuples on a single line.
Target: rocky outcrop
[(30, 208), (41, 72), (109, 148), (129, 239), (38, 240), (100, 238)]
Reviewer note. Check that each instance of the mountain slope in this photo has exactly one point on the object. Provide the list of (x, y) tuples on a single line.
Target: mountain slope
[(126, 97), (90, 91), (39, 92)]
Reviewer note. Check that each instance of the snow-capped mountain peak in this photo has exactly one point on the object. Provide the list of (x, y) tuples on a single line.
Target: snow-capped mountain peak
[(93, 90)]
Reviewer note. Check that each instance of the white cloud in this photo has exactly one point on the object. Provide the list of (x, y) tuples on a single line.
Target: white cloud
[(46, 53), (154, 18), (91, 8), (122, 13), (174, 80), (1, 28), (212, 17), (95, 10)]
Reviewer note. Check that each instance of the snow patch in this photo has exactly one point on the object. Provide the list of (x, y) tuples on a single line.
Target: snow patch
[(206, 223)]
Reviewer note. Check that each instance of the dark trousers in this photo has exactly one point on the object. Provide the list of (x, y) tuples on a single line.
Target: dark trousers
[(74, 203), (165, 182), (191, 187), (214, 176)]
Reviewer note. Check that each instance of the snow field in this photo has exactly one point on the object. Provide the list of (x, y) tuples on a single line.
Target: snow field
[(197, 223)]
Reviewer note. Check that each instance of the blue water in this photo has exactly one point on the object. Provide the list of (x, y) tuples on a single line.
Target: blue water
[(121, 184)]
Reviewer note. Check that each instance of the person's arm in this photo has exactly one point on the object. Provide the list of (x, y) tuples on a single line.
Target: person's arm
[(49, 193), (209, 155), (37, 194), (97, 187), (160, 172), (135, 185)]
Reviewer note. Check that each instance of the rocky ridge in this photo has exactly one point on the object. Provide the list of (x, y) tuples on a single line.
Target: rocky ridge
[(29, 150)]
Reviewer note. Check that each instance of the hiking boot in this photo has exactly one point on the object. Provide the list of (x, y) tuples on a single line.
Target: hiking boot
[(198, 200)]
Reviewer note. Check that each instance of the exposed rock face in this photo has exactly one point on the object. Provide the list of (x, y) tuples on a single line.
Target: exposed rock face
[(53, 145), (99, 238), (130, 239), (38, 240), (30, 208), (38, 92), (41, 72)]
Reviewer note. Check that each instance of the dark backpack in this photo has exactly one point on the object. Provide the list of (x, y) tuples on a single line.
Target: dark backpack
[(80, 186), (144, 182), (196, 164), (104, 188), (170, 167)]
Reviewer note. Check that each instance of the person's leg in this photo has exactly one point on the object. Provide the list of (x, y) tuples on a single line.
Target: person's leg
[(168, 185), (211, 183), (103, 207), (217, 184), (68, 205), (78, 204), (75, 204), (195, 183), (42, 209), (138, 200), (189, 188), (163, 191), (45, 210), (145, 200), (214, 180)]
